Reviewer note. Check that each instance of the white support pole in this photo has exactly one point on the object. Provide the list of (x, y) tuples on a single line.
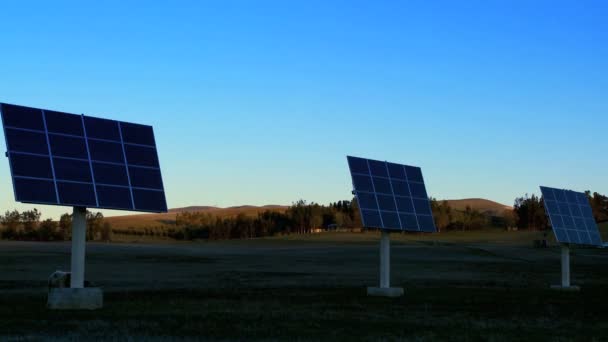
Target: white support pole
[(79, 240), (565, 266), (385, 260)]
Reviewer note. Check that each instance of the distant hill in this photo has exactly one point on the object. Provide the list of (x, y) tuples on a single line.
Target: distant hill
[(148, 220), (480, 204)]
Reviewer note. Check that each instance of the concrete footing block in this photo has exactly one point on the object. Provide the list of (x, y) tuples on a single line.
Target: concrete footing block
[(89, 298), (391, 292), (566, 288)]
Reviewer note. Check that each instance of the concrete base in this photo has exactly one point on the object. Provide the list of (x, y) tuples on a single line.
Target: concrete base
[(89, 298), (565, 289), (391, 292)]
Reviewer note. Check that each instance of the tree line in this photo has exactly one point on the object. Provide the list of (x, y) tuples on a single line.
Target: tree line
[(28, 226), (301, 217)]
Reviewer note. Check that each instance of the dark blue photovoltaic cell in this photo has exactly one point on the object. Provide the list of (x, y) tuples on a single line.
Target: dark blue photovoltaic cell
[(382, 186), (384, 192), (35, 191), (571, 217), (378, 168), (418, 190), (363, 183), (145, 178), (25, 141), (396, 171), (55, 160), (390, 219), (422, 206), (371, 218), (114, 197), (409, 222), (141, 156), (26, 165), (110, 174), (22, 117), (560, 196), (386, 202), (558, 222), (64, 123), (72, 170), (106, 151), (414, 174), (76, 194), (426, 223), (148, 200), (358, 165), (101, 129), (71, 147), (367, 201), (137, 134), (405, 204), (400, 188)]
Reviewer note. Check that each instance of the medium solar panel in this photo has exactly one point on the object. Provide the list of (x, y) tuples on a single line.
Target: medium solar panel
[(66, 159), (571, 217), (391, 196)]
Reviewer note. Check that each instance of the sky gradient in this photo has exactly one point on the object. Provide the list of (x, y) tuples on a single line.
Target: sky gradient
[(259, 102)]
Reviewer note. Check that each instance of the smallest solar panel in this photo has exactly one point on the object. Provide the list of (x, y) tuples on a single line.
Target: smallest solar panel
[(571, 217)]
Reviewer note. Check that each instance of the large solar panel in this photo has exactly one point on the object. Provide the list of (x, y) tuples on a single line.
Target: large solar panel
[(75, 160), (571, 217), (391, 196)]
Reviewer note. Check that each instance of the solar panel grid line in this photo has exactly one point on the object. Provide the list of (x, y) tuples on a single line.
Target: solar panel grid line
[(48, 142), (394, 196), (86, 160), (89, 183), (126, 166), (375, 194), (76, 136), (407, 181), (86, 141)]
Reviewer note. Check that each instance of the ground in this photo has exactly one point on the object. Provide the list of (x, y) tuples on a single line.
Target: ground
[(475, 286)]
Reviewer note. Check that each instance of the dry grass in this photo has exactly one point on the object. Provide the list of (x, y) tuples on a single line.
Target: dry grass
[(481, 286)]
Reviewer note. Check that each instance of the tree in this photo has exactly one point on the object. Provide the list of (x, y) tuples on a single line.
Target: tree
[(65, 226), (94, 225), (530, 211), (47, 231), (30, 220), (11, 221), (599, 205), (442, 213), (510, 218), (106, 232)]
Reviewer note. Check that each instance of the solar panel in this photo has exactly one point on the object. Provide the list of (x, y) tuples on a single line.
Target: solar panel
[(391, 196), (571, 217), (75, 160)]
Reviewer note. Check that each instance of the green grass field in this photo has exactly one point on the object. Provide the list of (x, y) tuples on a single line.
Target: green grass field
[(459, 286)]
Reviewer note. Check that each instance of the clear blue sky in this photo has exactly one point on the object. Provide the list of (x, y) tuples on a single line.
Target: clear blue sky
[(259, 102)]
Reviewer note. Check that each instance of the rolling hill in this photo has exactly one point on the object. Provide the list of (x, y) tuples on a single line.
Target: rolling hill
[(483, 205), (143, 220)]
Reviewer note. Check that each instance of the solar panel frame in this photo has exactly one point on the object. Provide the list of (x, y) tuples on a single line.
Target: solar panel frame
[(58, 146), (384, 194), (571, 217)]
